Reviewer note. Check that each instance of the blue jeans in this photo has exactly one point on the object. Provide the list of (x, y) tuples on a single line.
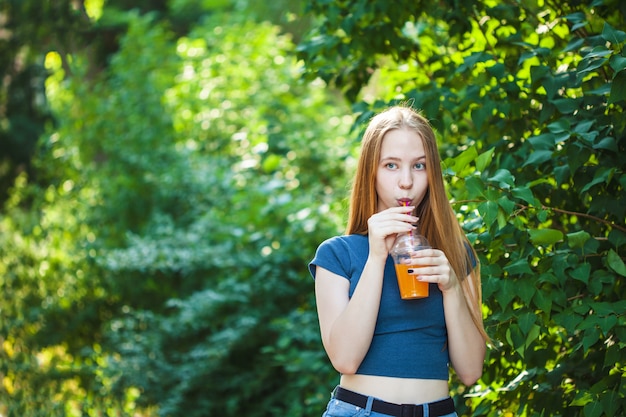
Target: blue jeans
[(337, 408)]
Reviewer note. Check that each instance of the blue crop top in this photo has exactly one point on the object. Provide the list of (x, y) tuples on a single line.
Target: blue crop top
[(410, 338)]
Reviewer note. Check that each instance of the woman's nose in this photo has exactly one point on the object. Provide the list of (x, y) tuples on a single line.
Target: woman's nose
[(405, 180)]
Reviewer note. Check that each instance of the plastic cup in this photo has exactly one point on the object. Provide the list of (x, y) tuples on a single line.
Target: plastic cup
[(410, 286), (403, 253)]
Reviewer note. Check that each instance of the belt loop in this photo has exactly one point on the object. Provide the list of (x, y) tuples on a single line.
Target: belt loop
[(368, 406)]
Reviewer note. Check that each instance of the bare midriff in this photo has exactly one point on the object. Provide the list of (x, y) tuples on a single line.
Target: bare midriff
[(397, 390)]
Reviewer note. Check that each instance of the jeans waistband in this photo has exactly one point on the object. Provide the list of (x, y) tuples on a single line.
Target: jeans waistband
[(435, 409)]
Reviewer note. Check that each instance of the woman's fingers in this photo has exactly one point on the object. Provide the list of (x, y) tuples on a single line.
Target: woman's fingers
[(432, 266)]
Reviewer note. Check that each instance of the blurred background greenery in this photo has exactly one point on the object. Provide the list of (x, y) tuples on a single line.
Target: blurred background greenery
[(168, 167)]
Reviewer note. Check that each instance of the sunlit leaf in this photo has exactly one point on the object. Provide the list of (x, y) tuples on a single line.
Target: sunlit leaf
[(545, 236), (484, 159), (577, 239)]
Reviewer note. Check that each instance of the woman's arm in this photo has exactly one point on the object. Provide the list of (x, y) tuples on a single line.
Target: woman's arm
[(347, 324), (465, 342)]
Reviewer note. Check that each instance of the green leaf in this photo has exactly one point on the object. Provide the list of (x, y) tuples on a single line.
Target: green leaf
[(607, 142), (489, 211), (545, 236), (524, 56), (475, 187), (567, 105), (602, 175), (516, 339), (593, 409), (618, 88), (574, 45), (590, 338), (576, 17), (504, 178), (532, 335), (481, 114), (562, 125), (476, 57), (610, 34), (610, 401), (506, 292), (526, 290), (502, 219), (577, 155), (577, 239), (507, 205), (525, 193), (582, 398), (569, 320), (462, 161), (593, 60), (497, 70), (618, 63), (581, 272), (518, 267), (526, 321), (611, 358), (545, 141), (484, 159), (598, 52), (543, 301), (605, 309), (617, 238), (607, 324), (584, 126), (616, 263), (538, 157)]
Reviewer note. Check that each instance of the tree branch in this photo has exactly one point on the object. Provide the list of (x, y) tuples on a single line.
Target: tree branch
[(543, 207)]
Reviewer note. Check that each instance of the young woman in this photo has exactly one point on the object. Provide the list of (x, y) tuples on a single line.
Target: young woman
[(393, 354)]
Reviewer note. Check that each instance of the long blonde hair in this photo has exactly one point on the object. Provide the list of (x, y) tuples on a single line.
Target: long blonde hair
[(437, 218)]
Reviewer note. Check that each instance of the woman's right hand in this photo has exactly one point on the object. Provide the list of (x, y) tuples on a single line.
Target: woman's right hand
[(384, 226)]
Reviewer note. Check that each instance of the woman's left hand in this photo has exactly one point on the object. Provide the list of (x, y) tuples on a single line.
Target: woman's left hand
[(434, 267)]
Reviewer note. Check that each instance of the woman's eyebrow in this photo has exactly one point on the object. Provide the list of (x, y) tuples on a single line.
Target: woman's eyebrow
[(396, 158)]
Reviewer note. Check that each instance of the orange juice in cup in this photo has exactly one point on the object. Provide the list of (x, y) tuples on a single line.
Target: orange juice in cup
[(410, 286), (402, 252)]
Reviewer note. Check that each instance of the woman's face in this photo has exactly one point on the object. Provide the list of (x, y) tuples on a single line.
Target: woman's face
[(401, 173)]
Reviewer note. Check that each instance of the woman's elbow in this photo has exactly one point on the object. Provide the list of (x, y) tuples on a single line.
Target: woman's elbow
[(470, 377), (345, 366)]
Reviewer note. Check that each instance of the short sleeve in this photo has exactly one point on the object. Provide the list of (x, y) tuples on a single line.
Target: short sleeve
[(333, 255), (472, 258)]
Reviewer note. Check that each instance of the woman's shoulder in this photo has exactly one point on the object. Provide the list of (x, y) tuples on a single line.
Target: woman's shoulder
[(343, 248), (339, 254), (346, 241)]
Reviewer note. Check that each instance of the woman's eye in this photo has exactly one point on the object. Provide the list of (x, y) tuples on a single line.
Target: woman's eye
[(420, 166), (390, 165)]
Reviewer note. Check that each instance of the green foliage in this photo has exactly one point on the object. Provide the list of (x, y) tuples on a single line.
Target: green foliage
[(534, 98), (252, 154), (192, 181)]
